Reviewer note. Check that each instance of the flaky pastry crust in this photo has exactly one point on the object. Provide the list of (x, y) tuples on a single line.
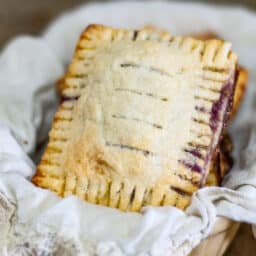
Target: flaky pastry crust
[(141, 114)]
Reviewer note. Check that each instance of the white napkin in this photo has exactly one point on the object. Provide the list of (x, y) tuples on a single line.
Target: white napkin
[(34, 221)]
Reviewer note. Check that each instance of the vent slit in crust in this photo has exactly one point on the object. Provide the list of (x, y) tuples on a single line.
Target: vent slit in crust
[(127, 147), (142, 93), (141, 164), (149, 68), (194, 152), (138, 120)]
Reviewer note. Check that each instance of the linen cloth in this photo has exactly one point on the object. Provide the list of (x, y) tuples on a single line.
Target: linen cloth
[(34, 221)]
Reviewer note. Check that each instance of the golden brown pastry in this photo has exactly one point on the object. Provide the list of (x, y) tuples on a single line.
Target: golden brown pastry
[(223, 161), (242, 75), (141, 117)]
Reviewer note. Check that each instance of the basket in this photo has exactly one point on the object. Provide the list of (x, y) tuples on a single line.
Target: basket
[(218, 241)]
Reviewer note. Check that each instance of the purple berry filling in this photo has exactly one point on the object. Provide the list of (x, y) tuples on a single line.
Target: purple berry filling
[(224, 104), (217, 107), (227, 93), (195, 152), (193, 166)]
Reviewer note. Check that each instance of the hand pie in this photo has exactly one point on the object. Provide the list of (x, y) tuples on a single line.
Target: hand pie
[(141, 116), (222, 163)]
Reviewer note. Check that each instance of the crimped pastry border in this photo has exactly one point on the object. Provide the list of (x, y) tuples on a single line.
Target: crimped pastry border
[(214, 55)]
